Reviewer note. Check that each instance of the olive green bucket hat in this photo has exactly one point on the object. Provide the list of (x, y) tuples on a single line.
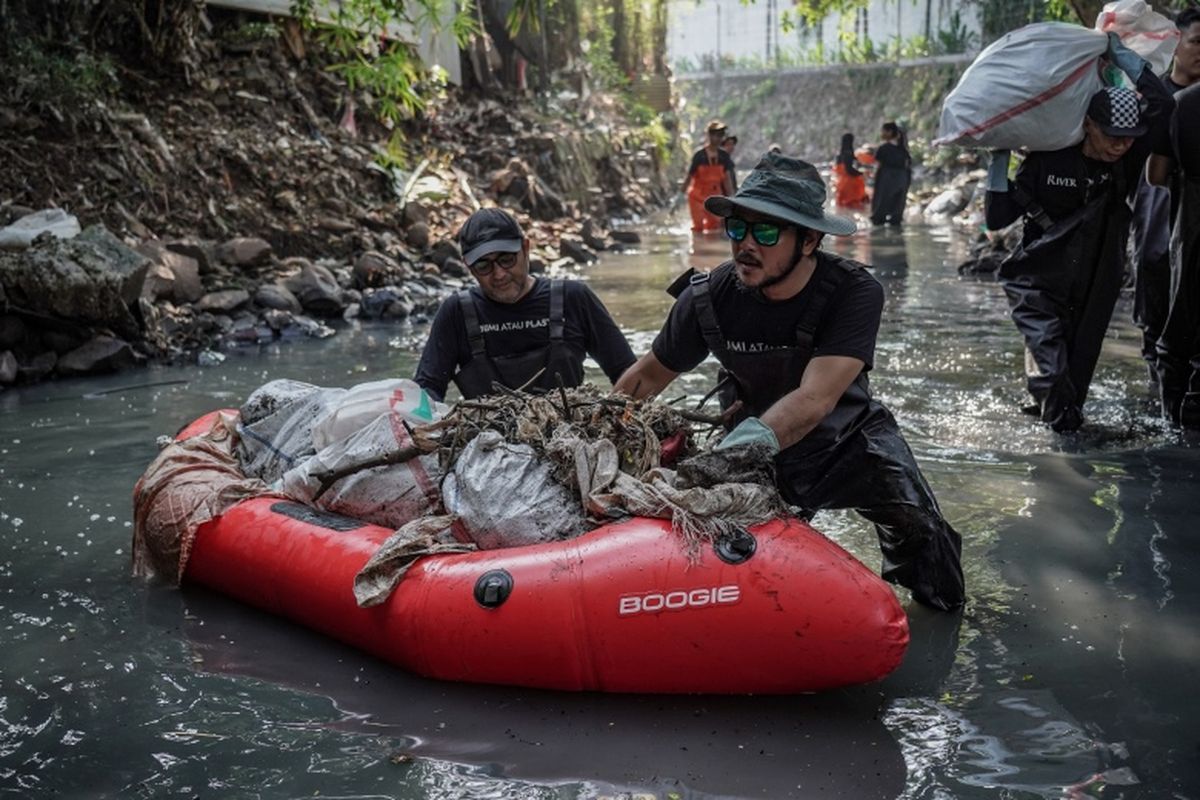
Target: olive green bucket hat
[(786, 189)]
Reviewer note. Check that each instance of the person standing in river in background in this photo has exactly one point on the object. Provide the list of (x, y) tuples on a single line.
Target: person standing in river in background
[(729, 146), (850, 185), (893, 174), (711, 173)]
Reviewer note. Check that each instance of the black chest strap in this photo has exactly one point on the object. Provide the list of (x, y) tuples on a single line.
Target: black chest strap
[(829, 276), (475, 333)]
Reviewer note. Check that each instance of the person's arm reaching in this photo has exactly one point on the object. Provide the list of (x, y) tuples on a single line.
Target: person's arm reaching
[(646, 378), (825, 380)]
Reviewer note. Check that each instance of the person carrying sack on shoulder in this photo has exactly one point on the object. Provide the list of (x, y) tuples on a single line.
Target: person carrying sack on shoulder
[(513, 328), (1063, 281), (794, 329)]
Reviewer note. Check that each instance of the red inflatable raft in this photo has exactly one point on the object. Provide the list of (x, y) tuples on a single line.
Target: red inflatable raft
[(777, 609)]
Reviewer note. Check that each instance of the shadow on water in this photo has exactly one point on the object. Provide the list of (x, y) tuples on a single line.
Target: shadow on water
[(833, 744)]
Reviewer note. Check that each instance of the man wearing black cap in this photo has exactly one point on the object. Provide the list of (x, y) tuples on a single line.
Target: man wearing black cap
[(794, 330), (512, 328), (1064, 280)]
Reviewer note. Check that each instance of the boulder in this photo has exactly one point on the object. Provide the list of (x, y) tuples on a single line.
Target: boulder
[(92, 279), (38, 367), (594, 234), (317, 290), (443, 250), (102, 354), (576, 250), (455, 268), (625, 237), (373, 268), (159, 283), (244, 251), (195, 249), (417, 235), (278, 297), (223, 301)]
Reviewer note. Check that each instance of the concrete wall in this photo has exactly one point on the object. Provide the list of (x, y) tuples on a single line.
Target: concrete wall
[(807, 111), (733, 30)]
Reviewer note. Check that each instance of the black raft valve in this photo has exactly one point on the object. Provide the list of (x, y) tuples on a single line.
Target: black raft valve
[(736, 547), (493, 588)]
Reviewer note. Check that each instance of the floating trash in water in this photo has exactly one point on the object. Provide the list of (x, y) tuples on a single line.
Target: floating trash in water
[(209, 358)]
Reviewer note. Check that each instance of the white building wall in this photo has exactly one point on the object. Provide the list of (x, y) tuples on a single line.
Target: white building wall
[(736, 31)]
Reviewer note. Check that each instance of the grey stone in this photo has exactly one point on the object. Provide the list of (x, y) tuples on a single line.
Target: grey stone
[(444, 249), (102, 354), (92, 279), (193, 248), (576, 250), (317, 290), (417, 235), (455, 268), (276, 296), (38, 367), (223, 301), (594, 235), (244, 251), (625, 237), (186, 270)]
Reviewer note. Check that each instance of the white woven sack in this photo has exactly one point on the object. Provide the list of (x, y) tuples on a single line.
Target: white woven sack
[(1143, 30), (1030, 88)]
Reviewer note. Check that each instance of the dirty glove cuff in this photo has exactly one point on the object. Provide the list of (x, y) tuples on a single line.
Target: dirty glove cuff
[(750, 431)]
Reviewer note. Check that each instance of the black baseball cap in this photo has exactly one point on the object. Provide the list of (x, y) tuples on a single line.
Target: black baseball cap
[(1117, 112), (489, 230)]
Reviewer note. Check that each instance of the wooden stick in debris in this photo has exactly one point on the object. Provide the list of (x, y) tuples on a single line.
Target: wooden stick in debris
[(145, 130), (328, 478)]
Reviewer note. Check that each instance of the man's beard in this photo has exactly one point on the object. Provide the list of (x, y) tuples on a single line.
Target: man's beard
[(757, 290)]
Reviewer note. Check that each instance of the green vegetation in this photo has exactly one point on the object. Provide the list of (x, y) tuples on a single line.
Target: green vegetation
[(57, 79), (365, 37)]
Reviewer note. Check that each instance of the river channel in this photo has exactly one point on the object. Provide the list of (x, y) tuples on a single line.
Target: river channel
[(1073, 671)]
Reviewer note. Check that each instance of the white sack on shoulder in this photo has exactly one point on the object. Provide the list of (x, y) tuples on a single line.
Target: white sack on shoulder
[(1143, 30), (1030, 88)]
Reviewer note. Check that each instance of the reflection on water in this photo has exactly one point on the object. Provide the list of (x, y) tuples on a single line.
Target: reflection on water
[(1071, 673)]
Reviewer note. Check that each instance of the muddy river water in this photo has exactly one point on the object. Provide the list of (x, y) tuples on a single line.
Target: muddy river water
[(1073, 672)]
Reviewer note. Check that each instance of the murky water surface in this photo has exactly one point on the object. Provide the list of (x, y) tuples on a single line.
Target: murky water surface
[(1072, 673)]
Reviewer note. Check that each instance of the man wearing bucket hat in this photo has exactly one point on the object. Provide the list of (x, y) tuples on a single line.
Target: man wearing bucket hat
[(1064, 280), (513, 328), (794, 329)]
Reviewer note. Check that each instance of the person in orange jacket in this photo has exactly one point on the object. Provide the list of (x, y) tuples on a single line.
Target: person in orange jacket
[(849, 181), (711, 173)]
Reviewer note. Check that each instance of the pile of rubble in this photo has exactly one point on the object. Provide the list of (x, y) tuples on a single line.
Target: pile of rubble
[(257, 200)]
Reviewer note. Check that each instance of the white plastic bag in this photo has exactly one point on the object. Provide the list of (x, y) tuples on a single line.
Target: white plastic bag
[(390, 495), (504, 496), (1030, 88), (275, 426), (20, 235), (361, 404), (1143, 30)]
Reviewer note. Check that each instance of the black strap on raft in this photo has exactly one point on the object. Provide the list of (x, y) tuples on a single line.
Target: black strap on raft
[(471, 321), (707, 315)]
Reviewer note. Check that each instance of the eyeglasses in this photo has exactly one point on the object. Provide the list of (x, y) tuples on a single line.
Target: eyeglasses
[(484, 266), (765, 233)]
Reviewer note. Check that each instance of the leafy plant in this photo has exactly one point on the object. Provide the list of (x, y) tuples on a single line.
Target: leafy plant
[(364, 34)]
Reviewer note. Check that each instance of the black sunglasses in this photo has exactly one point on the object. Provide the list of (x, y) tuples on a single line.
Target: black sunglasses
[(484, 266), (765, 233)]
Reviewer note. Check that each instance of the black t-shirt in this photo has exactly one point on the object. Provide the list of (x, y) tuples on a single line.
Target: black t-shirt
[(701, 158), (513, 328), (751, 323)]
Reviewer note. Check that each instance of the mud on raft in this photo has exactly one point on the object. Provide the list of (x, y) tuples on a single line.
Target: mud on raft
[(777, 608)]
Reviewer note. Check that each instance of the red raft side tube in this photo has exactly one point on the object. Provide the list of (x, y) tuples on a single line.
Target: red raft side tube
[(620, 609)]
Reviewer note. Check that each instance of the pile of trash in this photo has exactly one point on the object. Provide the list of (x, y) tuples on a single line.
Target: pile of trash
[(509, 470)]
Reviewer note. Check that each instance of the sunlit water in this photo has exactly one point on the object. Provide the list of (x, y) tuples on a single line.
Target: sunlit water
[(1072, 673)]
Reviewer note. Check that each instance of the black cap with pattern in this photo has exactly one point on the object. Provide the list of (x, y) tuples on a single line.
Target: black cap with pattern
[(1117, 112)]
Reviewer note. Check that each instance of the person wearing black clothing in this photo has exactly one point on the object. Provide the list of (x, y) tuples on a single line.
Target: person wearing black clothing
[(794, 329), (1179, 345), (1063, 281), (893, 174), (512, 328), (1150, 235)]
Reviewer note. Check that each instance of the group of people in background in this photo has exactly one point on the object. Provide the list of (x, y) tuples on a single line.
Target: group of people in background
[(892, 163)]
